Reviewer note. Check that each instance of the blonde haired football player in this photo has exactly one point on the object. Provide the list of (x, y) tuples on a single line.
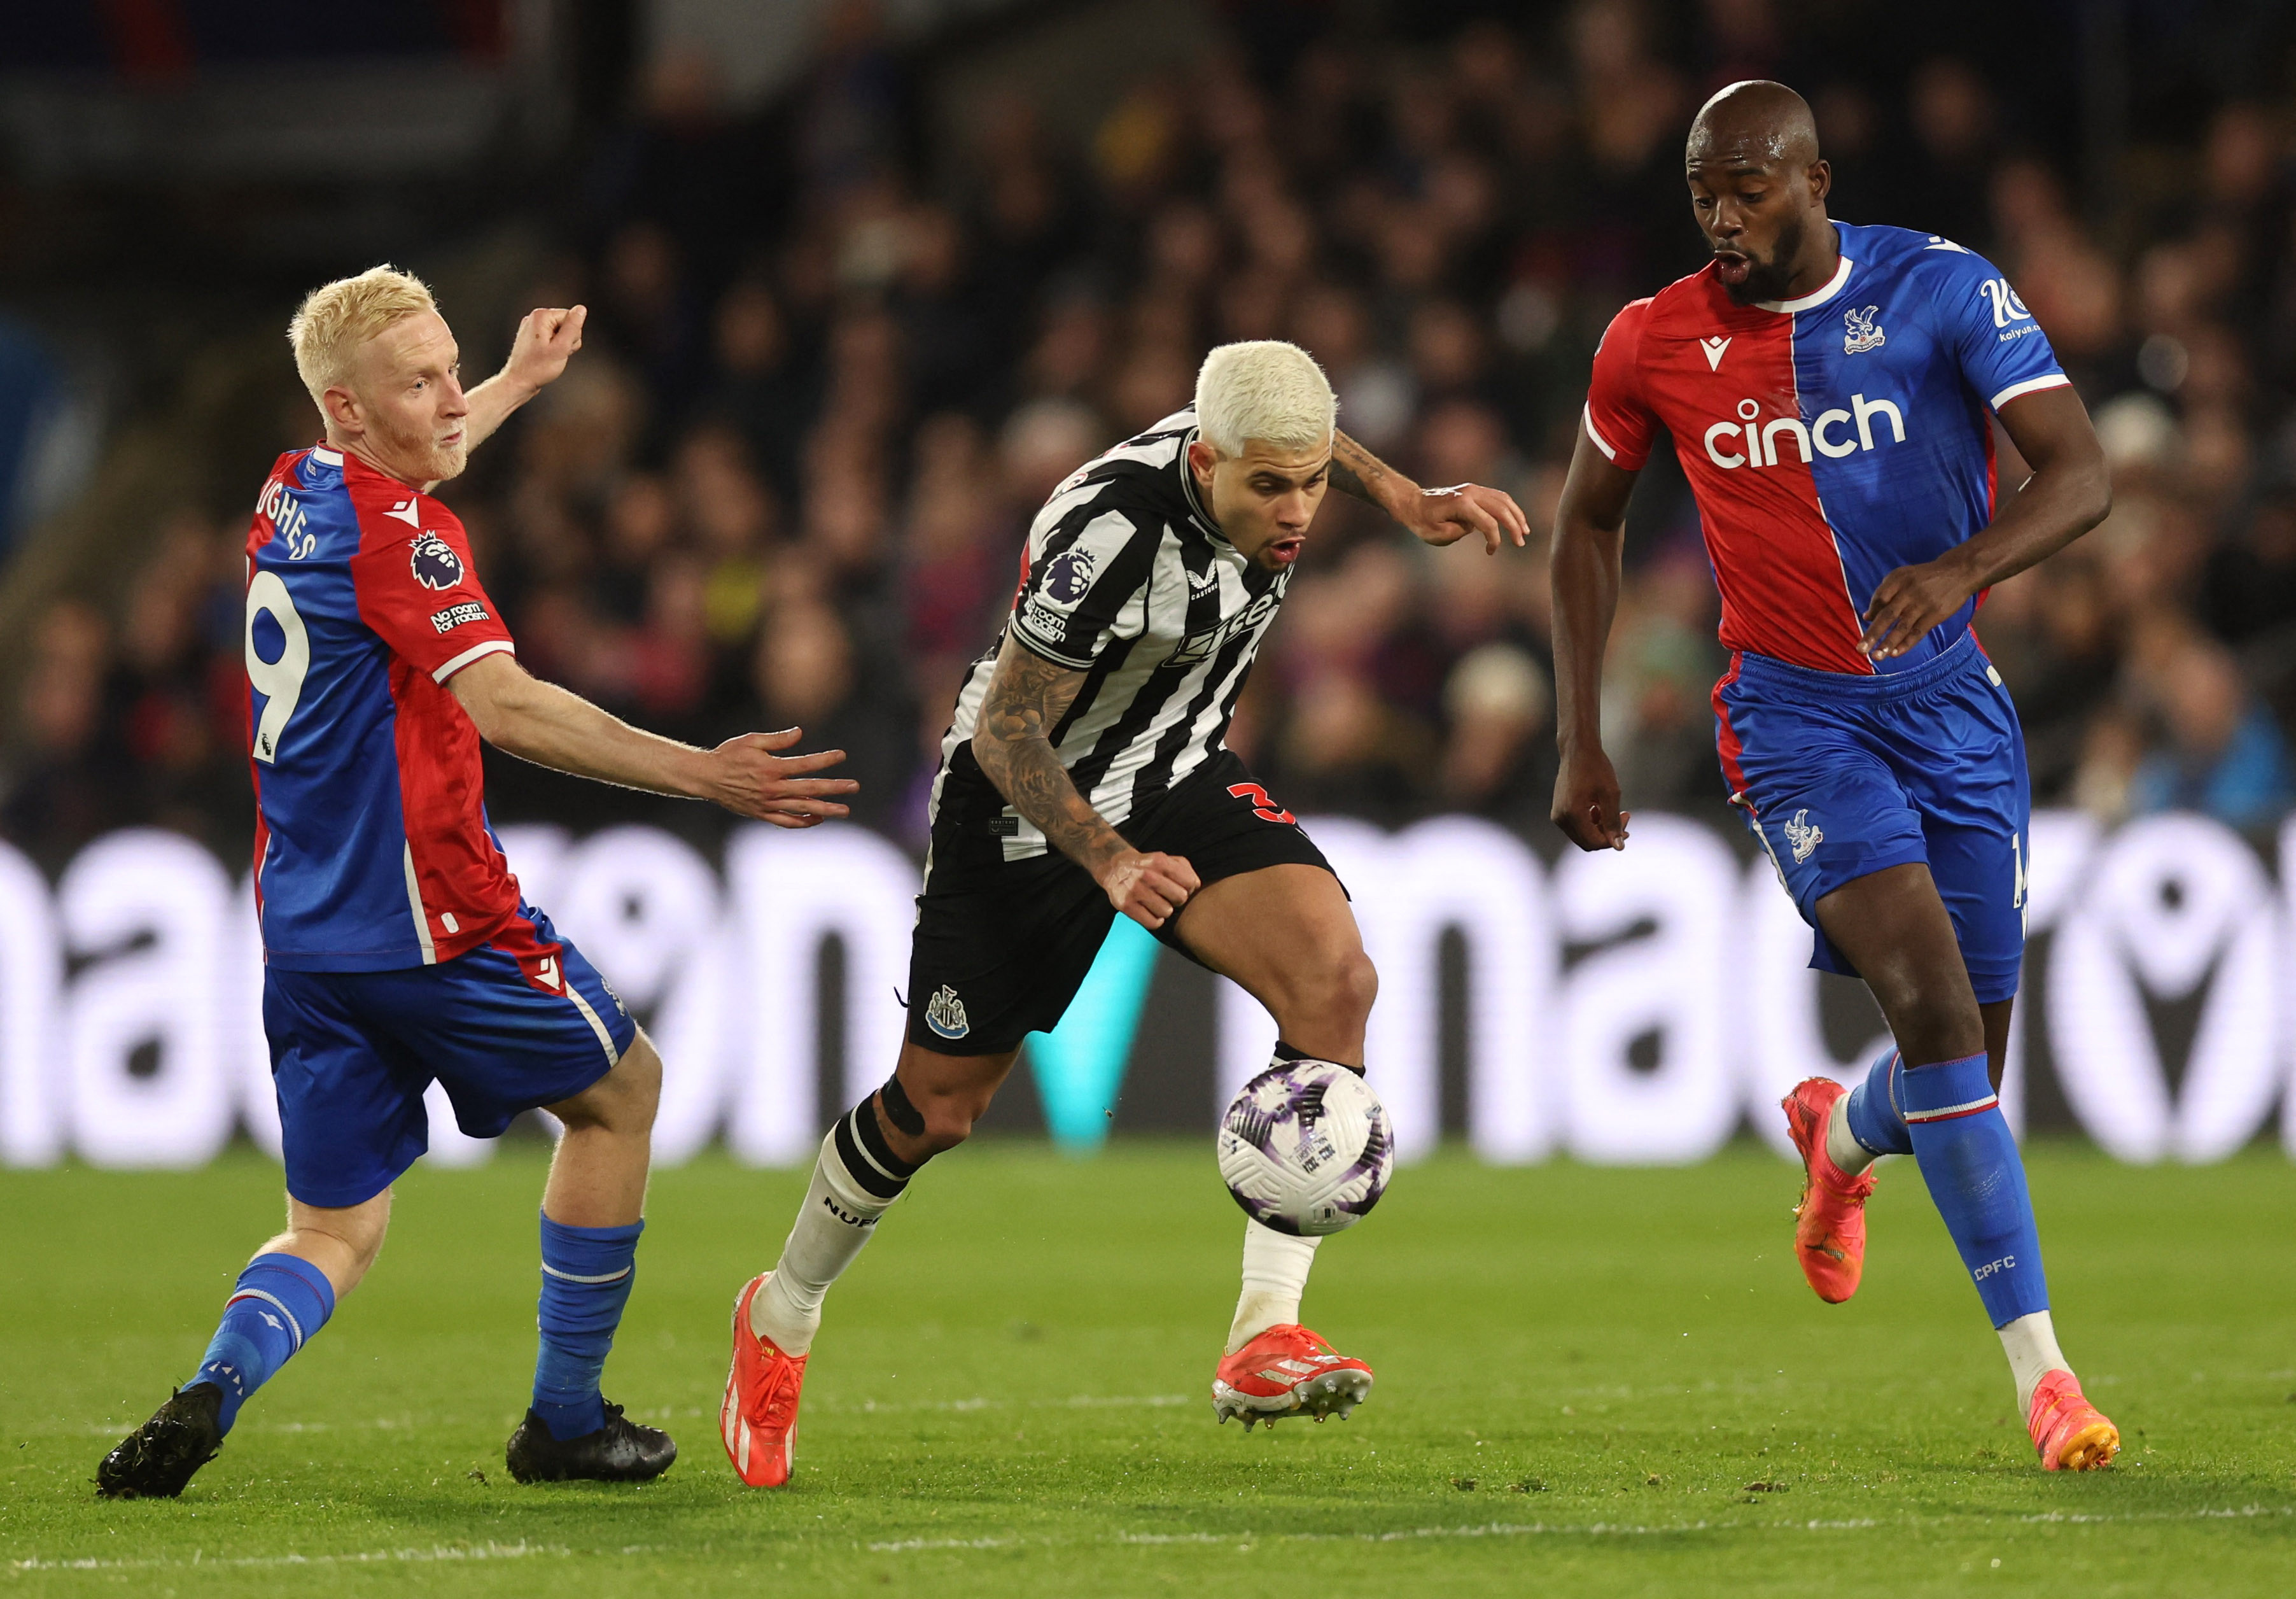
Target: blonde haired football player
[(397, 947), (1266, 390), (1085, 778)]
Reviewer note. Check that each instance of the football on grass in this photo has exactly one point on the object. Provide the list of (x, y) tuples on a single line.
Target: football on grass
[(1305, 1149)]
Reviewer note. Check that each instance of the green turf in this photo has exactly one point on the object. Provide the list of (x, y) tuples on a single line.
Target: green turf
[(1581, 1373)]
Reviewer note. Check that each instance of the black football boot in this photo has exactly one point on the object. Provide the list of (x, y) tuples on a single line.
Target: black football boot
[(156, 1460), (621, 1451)]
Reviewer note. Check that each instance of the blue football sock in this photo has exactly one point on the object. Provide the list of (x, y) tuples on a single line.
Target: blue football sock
[(279, 1303), (1874, 1117), (586, 1273), (1977, 1181)]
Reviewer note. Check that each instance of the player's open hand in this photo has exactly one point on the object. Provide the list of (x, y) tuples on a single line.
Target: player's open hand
[(546, 339), (1909, 602), (1586, 803), (750, 776), (1445, 515), (1148, 888)]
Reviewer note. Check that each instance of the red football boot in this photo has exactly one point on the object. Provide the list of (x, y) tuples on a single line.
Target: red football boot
[(759, 1419), (1830, 1221), (2072, 1434), (1288, 1371)]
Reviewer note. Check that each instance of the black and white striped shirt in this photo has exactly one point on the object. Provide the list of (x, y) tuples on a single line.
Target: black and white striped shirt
[(1129, 581)]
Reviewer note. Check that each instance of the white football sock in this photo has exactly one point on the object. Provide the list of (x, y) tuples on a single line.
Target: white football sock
[(2031, 1342), (1840, 1146), (838, 1217), (1275, 1275)]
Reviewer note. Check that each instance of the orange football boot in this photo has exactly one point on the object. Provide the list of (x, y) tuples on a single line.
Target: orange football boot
[(1830, 1221), (1288, 1371), (759, 1419), (2072, 1434)]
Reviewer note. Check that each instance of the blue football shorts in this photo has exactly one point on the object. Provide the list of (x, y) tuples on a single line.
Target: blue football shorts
[(1841, 776), (521, 1020)]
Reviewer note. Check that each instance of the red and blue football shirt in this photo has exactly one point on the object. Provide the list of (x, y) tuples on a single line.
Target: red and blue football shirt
[(1828, 439), (371, 847)]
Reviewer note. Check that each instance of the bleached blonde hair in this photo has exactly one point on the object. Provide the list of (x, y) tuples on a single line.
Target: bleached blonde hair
[(336, 319), (1264, 389)]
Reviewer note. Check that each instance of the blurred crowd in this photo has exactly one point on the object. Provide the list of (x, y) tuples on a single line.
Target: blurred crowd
[(836, 357)]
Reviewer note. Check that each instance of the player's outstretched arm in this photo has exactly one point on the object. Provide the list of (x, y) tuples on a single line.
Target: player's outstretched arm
[(1437, 516), (1589, 547), (546, 339), (541, 722), (1026, 700), (2069, 493)]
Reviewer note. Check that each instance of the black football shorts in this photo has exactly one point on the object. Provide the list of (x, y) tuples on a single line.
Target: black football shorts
[(1002, 946)]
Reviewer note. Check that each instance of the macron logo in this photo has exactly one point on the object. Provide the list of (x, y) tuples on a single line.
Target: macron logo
[(546, 971), (406, 513), (1714, 349)]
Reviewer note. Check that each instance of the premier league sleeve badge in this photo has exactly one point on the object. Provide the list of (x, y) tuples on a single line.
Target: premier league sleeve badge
[(436, 564)]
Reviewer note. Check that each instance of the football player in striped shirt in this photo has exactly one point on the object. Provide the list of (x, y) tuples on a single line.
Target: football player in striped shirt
[(1085, 778)]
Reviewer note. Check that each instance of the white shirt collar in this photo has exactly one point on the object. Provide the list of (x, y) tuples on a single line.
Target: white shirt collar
[(1196, 506), (1812, 300)]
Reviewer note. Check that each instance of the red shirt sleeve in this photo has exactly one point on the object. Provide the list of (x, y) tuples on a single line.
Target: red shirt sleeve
[(420, 592), (1616, 419)]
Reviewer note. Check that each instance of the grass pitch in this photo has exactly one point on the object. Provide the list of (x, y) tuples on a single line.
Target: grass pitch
[(1589, 1382)]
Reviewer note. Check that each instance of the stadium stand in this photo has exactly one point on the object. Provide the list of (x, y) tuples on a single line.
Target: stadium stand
[(844, 340)]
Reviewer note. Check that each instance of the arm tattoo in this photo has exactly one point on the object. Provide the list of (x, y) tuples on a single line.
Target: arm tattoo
[(1027, 700), (1355, 469)]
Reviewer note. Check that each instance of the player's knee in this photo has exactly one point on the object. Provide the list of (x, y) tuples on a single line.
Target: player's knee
[(366, 1246), (640, 1071), (625, 1100), (924, 1122), (1345, 987), (357, 1237), (1358, 984), (1934, 1020), (342, 1242), (949, 1121)]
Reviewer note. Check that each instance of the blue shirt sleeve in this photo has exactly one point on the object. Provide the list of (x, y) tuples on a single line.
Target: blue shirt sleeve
[(2001, 349)]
